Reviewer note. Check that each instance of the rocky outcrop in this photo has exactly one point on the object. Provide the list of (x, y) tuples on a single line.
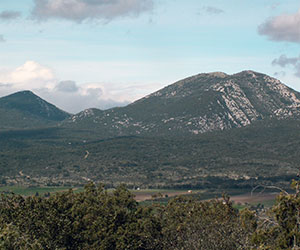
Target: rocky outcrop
[(198, 104)]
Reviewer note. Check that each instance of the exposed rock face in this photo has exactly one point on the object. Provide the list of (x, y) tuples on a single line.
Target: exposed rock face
[(198, 104)]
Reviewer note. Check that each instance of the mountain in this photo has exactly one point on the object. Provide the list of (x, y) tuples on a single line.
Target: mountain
[(206, 131), (198, 104), (26, 110)]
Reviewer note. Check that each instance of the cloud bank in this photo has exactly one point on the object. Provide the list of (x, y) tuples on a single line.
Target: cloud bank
[(8, 15), (282, 28), (80, 10), (67, 95), (284, 61), (66, 86)]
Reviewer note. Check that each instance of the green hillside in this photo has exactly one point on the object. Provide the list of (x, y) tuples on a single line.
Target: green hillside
[(266, 152), (206, 131), (26, 110)]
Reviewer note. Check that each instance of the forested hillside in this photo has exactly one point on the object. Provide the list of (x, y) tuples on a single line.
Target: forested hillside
[(207, 131), (265, 153)]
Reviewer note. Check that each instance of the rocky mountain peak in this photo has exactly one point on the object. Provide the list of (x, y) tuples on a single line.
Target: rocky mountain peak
[(217, 74), (201, 103)]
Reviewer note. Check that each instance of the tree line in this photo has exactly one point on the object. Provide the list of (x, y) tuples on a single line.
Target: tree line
[(97, 219)]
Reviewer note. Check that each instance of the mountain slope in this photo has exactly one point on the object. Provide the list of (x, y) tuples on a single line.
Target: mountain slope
[(259, 144), (263, 153), (26, 110), (198, 104)]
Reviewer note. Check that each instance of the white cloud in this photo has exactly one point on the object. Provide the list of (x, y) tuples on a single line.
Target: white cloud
[(85, 97), (67, 95), (31, 71), (80, 10), (282, 28), (30, 74)]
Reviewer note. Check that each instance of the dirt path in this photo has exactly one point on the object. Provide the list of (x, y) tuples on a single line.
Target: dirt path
[(147, 195)]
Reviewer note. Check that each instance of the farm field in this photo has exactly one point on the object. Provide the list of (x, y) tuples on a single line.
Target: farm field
[(266, 199), (240, 199)]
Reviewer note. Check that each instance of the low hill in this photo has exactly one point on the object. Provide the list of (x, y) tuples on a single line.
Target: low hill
[(26, 110)]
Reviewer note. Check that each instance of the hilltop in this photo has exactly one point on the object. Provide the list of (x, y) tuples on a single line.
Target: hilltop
[(198, 104), (24, 109)]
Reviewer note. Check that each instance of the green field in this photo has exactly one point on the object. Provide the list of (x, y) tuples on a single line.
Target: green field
[(27, 191)]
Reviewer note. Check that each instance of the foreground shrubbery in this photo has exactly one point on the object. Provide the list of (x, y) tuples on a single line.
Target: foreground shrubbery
[(95, 219)]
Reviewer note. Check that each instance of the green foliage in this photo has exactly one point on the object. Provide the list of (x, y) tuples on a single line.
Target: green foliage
[(281, 229), (214, 224), (97, 219), (12, 238), (31, 190), (92, 219), (57, 157), (26, 110), (157, 141)]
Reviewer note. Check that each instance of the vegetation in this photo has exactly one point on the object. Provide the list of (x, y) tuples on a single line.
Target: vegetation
[(157, 141), (96, 219), (239, 158), (280, 229), (92, 219), (24, 109), (35, 190)]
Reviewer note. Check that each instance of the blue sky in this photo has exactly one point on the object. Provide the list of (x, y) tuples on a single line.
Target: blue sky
[(79, 54)]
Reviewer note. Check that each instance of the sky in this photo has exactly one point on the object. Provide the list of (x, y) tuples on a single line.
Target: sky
[(80, 54)]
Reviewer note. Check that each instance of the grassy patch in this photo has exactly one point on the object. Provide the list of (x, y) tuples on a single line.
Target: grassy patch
[(27, 191)]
